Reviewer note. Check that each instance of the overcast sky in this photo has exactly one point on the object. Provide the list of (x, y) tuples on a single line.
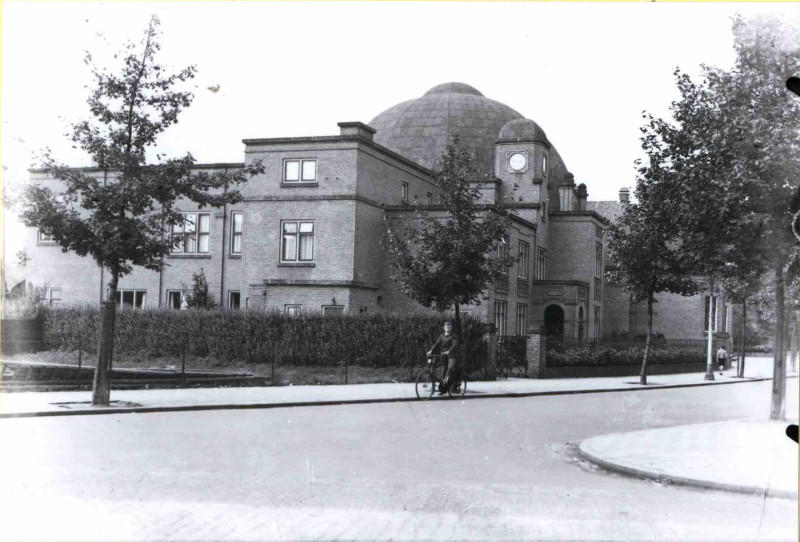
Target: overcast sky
[(584, 72)]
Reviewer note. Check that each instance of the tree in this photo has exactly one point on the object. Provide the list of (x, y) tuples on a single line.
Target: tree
[(444, 260), (122, 218), (732, 151), (199, 297), (641, 244)]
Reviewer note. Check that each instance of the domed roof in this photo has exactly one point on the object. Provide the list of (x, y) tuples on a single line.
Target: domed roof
[(418, 128), (523, 130)]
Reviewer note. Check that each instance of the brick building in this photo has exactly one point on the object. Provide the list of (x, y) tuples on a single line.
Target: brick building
[(306, 237)]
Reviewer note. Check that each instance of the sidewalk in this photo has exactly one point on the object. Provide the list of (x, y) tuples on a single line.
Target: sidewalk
[(753, 456), (25, 404)]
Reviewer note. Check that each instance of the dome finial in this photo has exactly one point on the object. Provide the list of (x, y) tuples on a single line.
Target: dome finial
[(454, 88)]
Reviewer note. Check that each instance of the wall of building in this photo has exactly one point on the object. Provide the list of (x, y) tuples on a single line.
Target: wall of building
[(616, 310)]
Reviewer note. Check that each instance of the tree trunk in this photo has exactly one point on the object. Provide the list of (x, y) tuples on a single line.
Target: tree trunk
[(778, 407), (744, 345), (711, 323), (101, 390), (643, 375)]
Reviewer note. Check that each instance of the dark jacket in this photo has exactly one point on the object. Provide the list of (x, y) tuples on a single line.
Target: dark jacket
[(450, 344)]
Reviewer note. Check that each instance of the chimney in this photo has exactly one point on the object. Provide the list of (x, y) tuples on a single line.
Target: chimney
[(357, 129), (566, 193), (581, 194), (624, 195)]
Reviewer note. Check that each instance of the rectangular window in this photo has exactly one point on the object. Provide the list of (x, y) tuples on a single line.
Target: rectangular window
[(500, 317), (544, 165), (522, 319), (131, 299), (724, 311), (713, 312), (541, 264), (293, 310), (404, 193), (298, 241), (236, 232), (192, 236), (45, 238), (524, 256), (598, 259), (332, 310), (502, 250), (54, 296), (429, 198), (300, 171), (596, 322), (598, 230), (234, 300), (598, 293), (176, 299)]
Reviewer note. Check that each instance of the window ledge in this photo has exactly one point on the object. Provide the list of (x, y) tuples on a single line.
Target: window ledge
[(46, 244), (190, 256), (299, 184), (235, 256), (297, 264)]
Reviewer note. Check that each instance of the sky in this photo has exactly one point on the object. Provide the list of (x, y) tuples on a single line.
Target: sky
[(583, 71)]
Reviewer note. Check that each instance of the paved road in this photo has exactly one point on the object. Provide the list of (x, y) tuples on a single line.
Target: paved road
[(494, 469)]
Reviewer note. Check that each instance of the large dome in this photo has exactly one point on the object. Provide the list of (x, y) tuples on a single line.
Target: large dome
[(418, 128)]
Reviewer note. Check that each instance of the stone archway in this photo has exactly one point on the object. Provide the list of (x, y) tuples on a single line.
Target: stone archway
[(554, 321)]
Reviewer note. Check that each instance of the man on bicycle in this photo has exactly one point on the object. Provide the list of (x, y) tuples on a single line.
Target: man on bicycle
[(448, 344)]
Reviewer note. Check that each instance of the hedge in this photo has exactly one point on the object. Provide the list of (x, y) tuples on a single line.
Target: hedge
[(372, 340), (559, 355)]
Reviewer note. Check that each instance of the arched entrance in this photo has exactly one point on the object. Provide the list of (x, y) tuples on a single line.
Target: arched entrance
[(554, 321)]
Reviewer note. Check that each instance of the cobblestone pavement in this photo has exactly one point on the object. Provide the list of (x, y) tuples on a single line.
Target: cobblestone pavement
[(497, 469)]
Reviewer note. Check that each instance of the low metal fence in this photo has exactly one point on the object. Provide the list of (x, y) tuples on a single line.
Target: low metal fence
[(511, 355)]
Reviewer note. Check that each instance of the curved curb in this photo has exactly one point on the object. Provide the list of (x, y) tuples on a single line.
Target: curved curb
[(334, 402), (682, 480)]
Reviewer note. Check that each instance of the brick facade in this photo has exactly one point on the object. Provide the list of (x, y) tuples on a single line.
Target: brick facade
[(357, 185)]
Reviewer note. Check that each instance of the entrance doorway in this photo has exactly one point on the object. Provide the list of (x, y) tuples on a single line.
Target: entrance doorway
[(554, 321)]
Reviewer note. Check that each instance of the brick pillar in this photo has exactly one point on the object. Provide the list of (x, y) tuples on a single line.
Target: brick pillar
[(490, 337), (536, 353)]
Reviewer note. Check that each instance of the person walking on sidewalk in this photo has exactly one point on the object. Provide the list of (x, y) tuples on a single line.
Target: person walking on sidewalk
[(722, 357), (448, 344)]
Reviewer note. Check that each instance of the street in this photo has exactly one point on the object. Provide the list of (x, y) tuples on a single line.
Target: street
[(489, 469)]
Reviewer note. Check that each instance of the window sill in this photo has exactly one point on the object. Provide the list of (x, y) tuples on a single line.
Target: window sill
[(235, 256), (297, 264), (300, 185), (46, 244), (190, 256)]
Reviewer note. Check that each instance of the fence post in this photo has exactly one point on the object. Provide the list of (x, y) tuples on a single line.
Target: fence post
[(183, 362), (272, 367), (490, 337), (536, 352)]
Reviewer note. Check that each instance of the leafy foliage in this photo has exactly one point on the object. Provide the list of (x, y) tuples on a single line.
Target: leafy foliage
[(199, 297), (443, 260), (120, 217)]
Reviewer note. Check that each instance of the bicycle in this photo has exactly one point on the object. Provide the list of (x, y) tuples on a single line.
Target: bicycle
[(429, 382)]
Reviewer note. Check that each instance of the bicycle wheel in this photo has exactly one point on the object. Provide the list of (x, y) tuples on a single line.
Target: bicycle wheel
[(425, 386), (459, 389)]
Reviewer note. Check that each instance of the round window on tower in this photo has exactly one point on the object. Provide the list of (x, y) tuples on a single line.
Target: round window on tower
[(517, 162)]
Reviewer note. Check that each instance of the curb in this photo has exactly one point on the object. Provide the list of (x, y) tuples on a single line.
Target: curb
[(681, 480), (250, 406)]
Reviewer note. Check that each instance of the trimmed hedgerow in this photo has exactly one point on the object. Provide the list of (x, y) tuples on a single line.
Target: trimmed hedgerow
[(371, 340), (591, 355)]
